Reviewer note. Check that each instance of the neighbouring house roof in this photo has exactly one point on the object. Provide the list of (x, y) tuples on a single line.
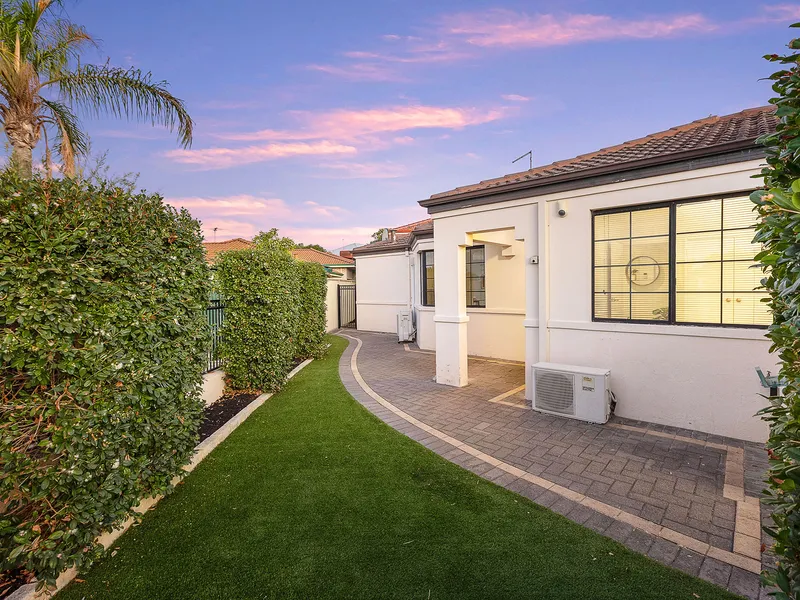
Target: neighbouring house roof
[(402, 241), (215, 248), (411, 226), (731, 135), (326, 259)]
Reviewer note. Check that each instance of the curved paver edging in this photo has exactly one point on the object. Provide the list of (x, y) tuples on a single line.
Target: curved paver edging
[(509, 476), (203, 449)]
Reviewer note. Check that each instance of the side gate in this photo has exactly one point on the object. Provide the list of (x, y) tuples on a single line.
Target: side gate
[(347, 306)]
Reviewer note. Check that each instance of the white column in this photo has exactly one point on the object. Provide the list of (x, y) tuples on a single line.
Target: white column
[(451, 312), (532, 299)]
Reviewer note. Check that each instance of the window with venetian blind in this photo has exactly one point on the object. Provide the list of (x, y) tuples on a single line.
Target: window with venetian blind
[(476, 277), (686, 262), (426, 263)]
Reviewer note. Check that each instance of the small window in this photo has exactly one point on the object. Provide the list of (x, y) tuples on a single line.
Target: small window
[(687, 262), (426, 263), (476, 277)]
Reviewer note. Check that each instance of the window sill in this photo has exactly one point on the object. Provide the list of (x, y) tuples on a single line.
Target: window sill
[(496, 311), (733, 333)]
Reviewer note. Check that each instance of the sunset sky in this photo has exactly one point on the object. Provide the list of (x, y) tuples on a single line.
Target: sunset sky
[(329, 120)]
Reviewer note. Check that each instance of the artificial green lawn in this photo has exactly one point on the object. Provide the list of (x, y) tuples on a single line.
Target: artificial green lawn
[(314, 497)]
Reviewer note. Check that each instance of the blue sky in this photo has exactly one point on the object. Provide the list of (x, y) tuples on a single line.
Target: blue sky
[(330, 120)]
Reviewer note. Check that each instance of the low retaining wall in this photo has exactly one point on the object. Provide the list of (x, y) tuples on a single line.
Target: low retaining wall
[(213, 386)]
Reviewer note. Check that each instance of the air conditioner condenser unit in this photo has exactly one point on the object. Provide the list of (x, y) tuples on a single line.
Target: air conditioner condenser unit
[(576, 392), (405, 326)]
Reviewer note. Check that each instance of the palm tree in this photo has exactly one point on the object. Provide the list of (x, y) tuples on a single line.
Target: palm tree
[(42, 81)]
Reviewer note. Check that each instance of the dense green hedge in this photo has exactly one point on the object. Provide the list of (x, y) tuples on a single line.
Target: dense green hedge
[(779, 232), (103, 340), (311, 328), (274, 314)]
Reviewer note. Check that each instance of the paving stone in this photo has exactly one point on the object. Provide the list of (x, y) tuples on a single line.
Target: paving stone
[(599, 523), (639, 541), (619, 531), (663, 551), (715, 571), (663, 480), (580, 514), (688, 561), (744, 583)]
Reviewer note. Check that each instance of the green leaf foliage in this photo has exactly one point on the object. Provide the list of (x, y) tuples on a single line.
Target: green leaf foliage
[(103, 340), (274, 312), (778, 206)]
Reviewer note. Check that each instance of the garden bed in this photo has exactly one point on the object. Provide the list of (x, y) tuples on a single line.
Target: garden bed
[(223, 410), (11, 580)]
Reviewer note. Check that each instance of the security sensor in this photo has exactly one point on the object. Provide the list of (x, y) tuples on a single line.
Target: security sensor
[(561, 206)]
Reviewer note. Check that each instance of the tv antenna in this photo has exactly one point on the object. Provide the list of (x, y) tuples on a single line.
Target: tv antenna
[(215, 233), (529, 154)]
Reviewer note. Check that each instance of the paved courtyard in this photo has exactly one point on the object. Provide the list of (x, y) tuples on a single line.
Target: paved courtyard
[(685, 498)]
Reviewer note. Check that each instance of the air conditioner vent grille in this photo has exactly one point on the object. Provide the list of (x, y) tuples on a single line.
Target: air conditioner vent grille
[(555, 392)]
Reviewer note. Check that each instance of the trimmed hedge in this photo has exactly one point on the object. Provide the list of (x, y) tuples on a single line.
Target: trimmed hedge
[(103, 339), (311, 328), (779, 231), (274, 314)]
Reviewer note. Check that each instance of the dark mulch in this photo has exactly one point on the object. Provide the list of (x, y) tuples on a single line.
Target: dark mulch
[(11, 580), (223, 410)]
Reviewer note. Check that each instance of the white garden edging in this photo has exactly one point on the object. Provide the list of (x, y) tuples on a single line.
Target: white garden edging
[(203, 449)]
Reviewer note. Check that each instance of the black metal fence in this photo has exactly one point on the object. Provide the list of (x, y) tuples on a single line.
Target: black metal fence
[(215, 313)]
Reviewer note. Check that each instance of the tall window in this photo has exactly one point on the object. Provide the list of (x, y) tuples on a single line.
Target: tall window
[(426, 263), (476, 277), (683, 262)]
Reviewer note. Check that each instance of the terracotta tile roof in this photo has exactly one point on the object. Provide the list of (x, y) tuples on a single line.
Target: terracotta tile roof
[(214, 248), (401, 242), (323, 258), (707, 133), (411, 226)]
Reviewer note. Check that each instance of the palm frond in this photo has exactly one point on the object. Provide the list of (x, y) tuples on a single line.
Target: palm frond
[(129, 93), (70, 139), (64, 44)]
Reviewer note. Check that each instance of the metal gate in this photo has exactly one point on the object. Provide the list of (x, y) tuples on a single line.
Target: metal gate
[(347, 306), (215, 314)]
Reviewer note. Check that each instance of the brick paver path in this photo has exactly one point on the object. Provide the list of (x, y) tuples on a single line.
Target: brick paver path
[(684, 498)]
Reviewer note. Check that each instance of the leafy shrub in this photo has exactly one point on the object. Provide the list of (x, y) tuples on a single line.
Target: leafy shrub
[(103, 340), (274, 313), (311, 328), (779, 231)]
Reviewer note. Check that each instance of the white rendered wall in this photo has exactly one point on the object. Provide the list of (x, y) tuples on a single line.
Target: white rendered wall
[(332, 305), (499, 330), (696, 377), (382, 289)]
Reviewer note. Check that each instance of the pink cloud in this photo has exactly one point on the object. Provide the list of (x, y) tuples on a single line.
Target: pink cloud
[(359, 72), (221, 158), (348, 170), (327, 212), (515, 98), (240, 205), (506, 28), (403, 139), (465, 36), (244, 215), (349, 124)]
